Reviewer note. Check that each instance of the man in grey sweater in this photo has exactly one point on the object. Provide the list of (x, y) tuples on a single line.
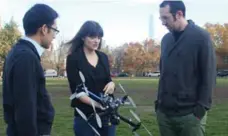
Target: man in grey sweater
[(188, 74)]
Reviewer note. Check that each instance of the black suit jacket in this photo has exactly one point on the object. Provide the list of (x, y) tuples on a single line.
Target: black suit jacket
[(27, 107), (76, 62)]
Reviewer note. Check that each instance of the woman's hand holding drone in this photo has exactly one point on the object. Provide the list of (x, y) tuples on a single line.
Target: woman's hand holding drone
[(109, 88)]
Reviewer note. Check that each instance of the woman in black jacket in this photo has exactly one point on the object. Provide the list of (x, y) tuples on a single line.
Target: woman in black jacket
[(84, 56)]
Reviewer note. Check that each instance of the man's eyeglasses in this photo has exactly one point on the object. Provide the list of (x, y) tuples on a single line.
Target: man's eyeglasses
[(56, 30)]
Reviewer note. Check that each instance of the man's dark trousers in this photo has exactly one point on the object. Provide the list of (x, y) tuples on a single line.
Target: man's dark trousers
[(188, 125)]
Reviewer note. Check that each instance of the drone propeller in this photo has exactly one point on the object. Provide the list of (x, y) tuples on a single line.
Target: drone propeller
[(83, 81), (74, 95), (129, 98), (98, 119), (147, 130), (135, 116), (85, 118)]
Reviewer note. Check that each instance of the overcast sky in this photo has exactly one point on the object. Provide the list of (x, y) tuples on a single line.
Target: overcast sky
[(122, 20)]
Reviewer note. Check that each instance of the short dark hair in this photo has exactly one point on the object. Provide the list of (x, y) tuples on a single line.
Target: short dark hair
[(37, 16), (174, 6), (90, 28)]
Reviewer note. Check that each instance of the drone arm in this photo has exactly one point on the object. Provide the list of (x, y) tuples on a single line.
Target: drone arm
[(84, 98), (124, 98), (87, 100), (128, 121)]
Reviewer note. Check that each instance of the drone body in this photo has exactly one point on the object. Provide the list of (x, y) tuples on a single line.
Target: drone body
[(110, 108)]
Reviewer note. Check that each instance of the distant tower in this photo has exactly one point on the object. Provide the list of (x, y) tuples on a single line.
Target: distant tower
[(103, 43), (151, 27), (0, 23)]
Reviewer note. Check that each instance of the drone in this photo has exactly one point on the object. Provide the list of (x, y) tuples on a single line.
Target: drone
[(111, 106)]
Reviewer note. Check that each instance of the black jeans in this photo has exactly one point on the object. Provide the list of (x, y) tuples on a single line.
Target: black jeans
[(81, 128)]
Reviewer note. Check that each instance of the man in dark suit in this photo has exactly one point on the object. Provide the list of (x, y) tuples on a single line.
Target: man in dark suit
[(188, 74), (27, 107)]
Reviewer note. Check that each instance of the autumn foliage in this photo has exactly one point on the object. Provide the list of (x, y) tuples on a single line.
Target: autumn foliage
[(219, 35), (9, 34), (141, 57)]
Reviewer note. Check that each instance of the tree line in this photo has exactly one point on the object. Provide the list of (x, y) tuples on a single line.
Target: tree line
[(133, 57)]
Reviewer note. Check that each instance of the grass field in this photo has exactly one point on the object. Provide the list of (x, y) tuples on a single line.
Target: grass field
[(143, 92)]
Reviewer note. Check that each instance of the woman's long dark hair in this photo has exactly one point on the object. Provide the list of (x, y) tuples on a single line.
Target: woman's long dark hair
[(89, 28)]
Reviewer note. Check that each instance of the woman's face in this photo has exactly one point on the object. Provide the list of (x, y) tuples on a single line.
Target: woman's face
[(92, 43)]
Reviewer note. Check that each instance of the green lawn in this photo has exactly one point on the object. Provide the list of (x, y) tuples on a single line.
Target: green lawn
[(143, 91)]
